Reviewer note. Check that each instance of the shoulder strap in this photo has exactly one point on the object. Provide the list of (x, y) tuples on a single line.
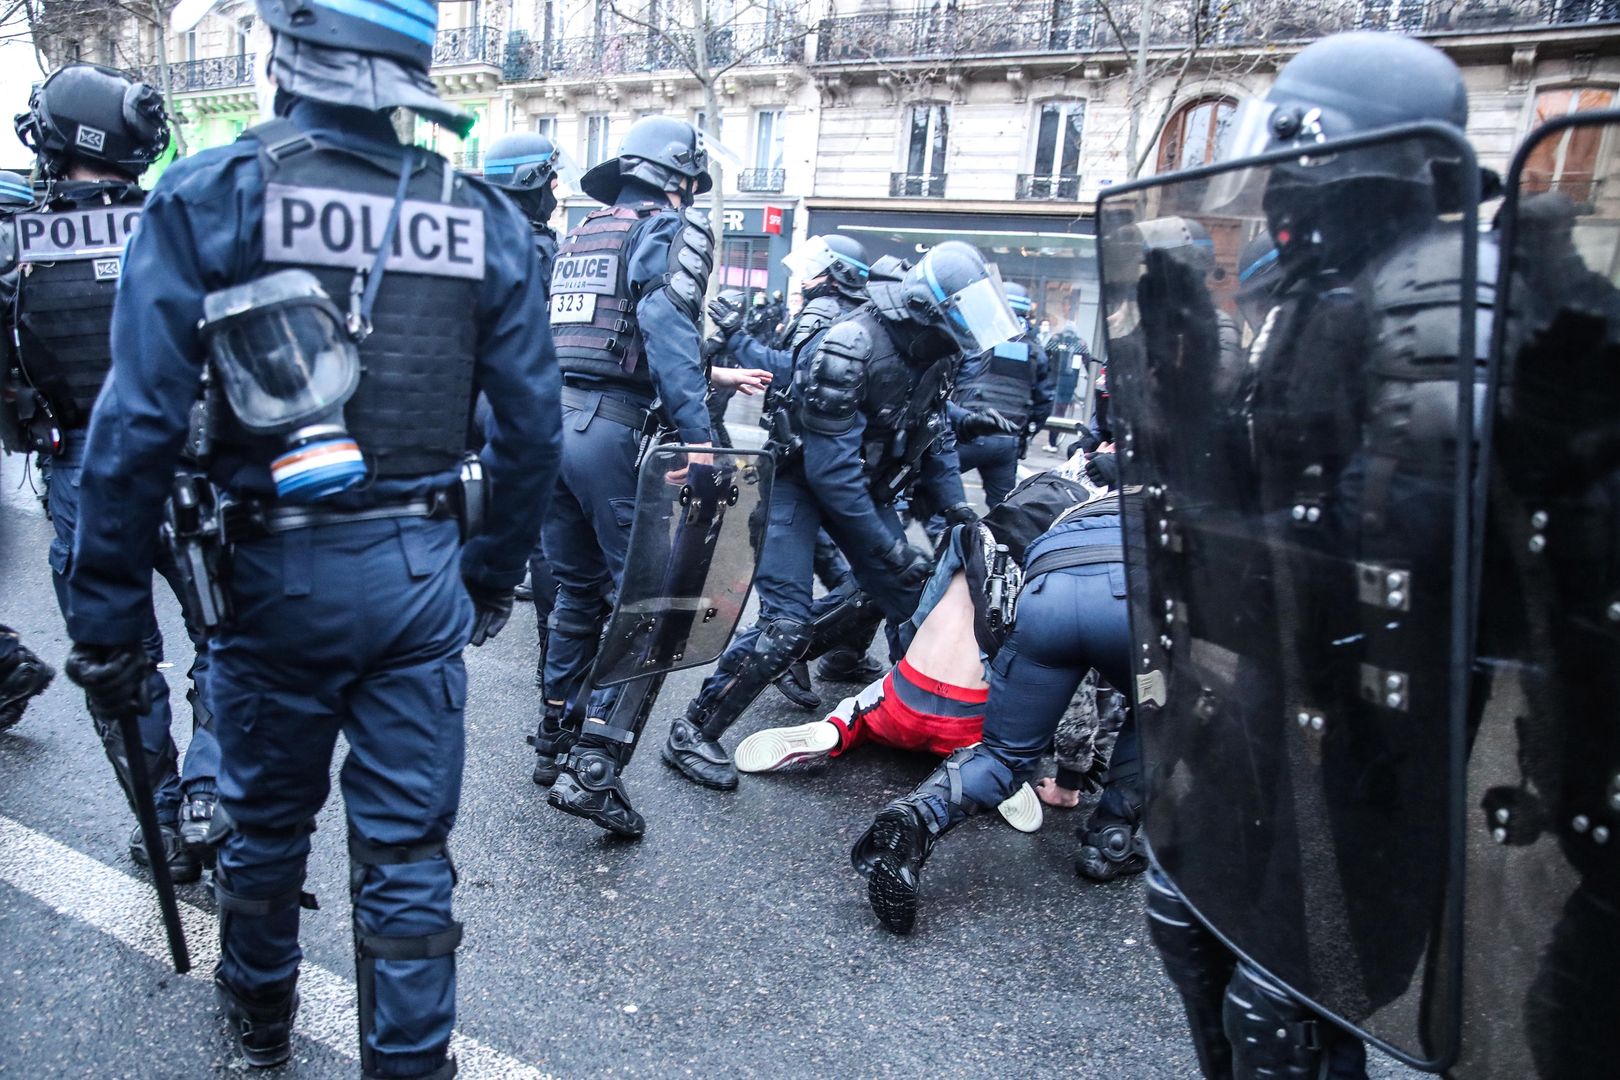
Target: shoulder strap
[(279, 139)]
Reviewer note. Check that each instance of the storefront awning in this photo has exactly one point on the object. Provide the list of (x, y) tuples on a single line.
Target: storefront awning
[(991, 241)]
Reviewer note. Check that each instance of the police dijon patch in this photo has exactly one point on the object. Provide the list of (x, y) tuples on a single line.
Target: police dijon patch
[(591, 273), (91, 232), (108, 269), (327, 227)]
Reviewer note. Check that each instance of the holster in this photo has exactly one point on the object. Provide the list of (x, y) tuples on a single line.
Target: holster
[(474, 497), (193, 530)]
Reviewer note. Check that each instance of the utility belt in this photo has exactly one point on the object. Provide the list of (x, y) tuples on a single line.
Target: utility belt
[(900, 465), (782, 439), (649, 423), (203, 524)]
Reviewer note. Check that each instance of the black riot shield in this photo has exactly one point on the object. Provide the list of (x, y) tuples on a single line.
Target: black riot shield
[(694, 546), (1292, 362), (1542, 916)]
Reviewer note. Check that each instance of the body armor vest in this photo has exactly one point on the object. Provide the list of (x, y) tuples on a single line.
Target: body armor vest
[(413, 408), (64, 316), (593, 315), (545, 247), (1004, 381), (903, 399)]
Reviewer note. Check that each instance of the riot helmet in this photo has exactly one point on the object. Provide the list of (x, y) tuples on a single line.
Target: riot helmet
[(527, 166), (15, 191), (94, 114), (359, 53), (662, 152), (287, 365), (952, 287), (839, 260), (1019, 300)]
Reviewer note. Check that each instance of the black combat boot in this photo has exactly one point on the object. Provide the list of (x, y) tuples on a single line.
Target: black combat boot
[(848, 664), (890, 855), (699, 757), (588, 786), (184, 867), (26, 677), (261, 1023), (1110, 850), (550, 742), (196, 820), (794, 684)]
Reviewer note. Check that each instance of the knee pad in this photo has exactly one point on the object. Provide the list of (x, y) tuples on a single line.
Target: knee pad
[(369, 947), (571, 622), (777, 643)]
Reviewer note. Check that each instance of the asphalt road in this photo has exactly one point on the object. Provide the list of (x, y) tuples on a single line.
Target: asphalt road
[(734, 939)]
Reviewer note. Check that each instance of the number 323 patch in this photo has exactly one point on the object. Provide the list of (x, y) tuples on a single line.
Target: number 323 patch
[(573, 307)]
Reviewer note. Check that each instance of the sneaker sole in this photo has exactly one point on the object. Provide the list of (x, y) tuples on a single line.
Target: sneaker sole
[(1022, 810), (785, 748), (892, 896), (675, 763)]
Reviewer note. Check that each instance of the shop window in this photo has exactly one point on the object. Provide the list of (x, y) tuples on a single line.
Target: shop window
[(927, 140), (1196, 133), (597, 148), (1569, 162), (1056, 171)]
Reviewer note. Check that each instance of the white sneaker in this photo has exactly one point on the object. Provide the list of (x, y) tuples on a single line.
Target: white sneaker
[(1022, 809), (783, 747)]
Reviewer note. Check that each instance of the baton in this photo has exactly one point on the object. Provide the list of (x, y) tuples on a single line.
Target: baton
[(140, 784)]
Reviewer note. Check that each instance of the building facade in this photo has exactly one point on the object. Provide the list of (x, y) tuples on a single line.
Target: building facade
[(902, 123)]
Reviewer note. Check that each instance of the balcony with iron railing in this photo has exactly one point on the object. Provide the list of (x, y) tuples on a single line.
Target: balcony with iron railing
[(917, 185), (753, 45), (467, 45), (1052, 186), (768, 181), (470, 160), (216, 73), (1081, 26)]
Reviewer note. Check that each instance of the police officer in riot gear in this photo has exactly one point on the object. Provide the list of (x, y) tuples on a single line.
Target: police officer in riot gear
[(626, 304), (869, 404), (95, 131), (1002, 400), (1298, 580), (351, 591)]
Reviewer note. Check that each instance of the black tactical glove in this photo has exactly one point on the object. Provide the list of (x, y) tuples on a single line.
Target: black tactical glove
[(985, 422), (960, 514), (1103, 470), (726, 311), (492, 607), (910, 565), (114, 678)]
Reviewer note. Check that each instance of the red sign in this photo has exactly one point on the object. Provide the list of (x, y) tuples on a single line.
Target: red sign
[(773, 220)]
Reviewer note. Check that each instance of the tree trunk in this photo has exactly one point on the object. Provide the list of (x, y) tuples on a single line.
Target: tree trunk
[(702, 32), (1138, 98), (162, 35)]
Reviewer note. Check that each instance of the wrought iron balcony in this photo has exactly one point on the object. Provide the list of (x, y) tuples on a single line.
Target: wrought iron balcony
[(1048, 185), (470, 160), (216, 73), (467, 45), (917, 185), (765, 180), (1080, 26), (755, 45)]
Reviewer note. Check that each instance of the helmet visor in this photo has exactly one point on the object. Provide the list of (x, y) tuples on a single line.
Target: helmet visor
[(281, 351), (978, 315), (813, 257)]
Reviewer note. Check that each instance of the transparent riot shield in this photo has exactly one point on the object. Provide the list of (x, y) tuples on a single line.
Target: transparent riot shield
[(1292, 362), (694, 546), (1542, 916)]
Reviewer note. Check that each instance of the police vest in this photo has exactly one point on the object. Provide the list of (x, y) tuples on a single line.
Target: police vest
[(903, 400), (71, 254), (593, 316), (1004, 380), (325, 211), (545, 249)]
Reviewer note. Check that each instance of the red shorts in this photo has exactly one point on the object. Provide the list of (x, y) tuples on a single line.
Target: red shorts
[(908, 710)]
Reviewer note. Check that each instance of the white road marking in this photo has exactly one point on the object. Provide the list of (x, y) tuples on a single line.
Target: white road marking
[(76, 885)]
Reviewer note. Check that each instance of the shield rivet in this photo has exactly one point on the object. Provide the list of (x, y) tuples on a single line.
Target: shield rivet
[(1299, 512), (1395, 599), (1614, 791), (1581, 823), (1394, 701), (1304, 719), (1499, 835), (1538, 544), (1600, 835), (1393, 682), (1166, 642), (1394, 581), (1502, 816), (1538, 520), (1314, 514), (1164, 540), (1614, 611), (1317, 723)]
